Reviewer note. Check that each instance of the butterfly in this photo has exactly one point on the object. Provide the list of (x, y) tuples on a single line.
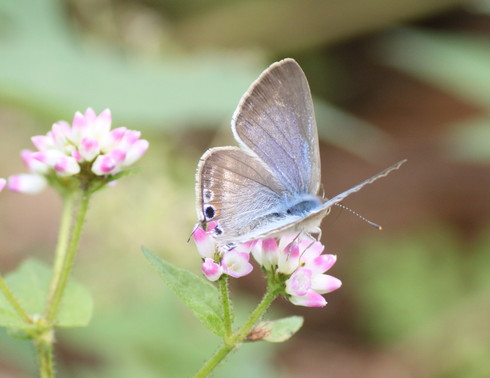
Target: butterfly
[(268, 185)]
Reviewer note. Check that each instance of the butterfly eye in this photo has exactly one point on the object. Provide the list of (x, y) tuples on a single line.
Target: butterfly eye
[(209, 212)]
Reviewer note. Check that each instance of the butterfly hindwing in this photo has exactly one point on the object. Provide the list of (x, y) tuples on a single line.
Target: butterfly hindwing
[(236, 190)]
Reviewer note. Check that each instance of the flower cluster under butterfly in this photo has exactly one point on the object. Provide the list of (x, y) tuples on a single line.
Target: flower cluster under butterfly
[(294, 260), (87, 149)]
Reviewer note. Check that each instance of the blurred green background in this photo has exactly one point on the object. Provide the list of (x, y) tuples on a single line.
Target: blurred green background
[(391, 80)]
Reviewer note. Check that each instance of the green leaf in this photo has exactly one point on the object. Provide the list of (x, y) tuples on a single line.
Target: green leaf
[(30, 284), (199, 295), (276, 331), (9, 318)]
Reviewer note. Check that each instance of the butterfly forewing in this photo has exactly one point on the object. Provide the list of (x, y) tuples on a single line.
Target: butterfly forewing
[(276, 121)]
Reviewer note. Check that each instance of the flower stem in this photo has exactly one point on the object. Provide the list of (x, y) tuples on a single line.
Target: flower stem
[(233, 342), (227, 309), (214, 361), (240, 335), (61, 279), (63, 237), (13, 301), (44, 351)]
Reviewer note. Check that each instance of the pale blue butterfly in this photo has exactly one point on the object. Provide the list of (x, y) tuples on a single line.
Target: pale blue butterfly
[(269, 185)]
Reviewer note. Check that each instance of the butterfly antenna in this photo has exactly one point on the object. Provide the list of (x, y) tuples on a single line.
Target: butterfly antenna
[(360, 216)]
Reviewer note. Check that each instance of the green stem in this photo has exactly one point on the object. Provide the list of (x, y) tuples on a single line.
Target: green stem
[(63, 237), (261, 308), (44, 351), (58, 290), (227, 310), (13, 301), (214, 361), (238, 337)]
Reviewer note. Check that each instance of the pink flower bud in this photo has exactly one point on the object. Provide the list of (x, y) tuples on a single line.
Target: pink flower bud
[(89, 148), (299, 283), (311, 299), (321, 263), (66, 166), (118, 155), (136, 151), (43, 142), (211, 270), (265, 252), (102, 122), (3, 182), (79, 126), (90, 116), (27, 183), (60, 132), (323, 283), (34, 165), (76, 155), (236, 264), (288, 258), (130, 137), (113, 139), (310, 249), (105, 164), (206, 245)]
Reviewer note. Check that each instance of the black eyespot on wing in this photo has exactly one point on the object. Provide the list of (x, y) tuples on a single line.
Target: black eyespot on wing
[(209, 212), (218, 230)]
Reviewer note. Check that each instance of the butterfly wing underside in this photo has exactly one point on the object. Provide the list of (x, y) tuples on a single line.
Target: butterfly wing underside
[(236, 189), (276, 121), (268, 186)]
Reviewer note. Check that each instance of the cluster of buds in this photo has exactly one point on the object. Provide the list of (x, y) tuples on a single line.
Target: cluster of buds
[(234, 263), (87, 148), (296, 261)]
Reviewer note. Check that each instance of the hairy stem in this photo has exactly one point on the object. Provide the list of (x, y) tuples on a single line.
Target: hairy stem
[(13, 301), (235, 340), (227, 309), (61, 279), (43, 343)]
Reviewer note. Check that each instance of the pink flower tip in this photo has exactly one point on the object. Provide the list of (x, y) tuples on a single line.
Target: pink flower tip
[(3, 182), (324, 283), (236, 264), (299, 283), (136, 151), (311, 299), (206, 246), (27, 183), (211, 269)]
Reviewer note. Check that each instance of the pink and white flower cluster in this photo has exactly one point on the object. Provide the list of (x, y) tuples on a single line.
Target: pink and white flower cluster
[(88, 143), (233, 263), (296, 261), (300, 259)]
